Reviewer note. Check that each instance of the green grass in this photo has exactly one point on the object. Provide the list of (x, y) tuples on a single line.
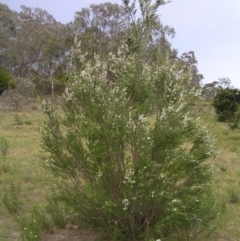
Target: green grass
[(227, 176), (23, 168)]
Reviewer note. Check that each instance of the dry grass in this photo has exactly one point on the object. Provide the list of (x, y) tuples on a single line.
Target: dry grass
[(22, 130)]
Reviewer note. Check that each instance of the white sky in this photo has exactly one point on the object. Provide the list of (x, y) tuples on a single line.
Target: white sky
[(210, 28)]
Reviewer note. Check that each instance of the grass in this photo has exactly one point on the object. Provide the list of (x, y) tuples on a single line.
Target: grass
[(226, 166), (21, 129), (23, 167)]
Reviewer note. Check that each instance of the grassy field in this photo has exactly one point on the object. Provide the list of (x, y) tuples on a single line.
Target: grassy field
[(23, 168)]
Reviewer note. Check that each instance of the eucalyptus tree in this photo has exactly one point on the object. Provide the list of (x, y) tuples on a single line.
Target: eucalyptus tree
[(100, 26), (36, 26), (189, 60), (8, 20), (33, 45), (8, 26), (55, 63), (210, 90), (23, 38)]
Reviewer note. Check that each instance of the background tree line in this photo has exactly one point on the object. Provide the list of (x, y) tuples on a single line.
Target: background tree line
[(34, 47)]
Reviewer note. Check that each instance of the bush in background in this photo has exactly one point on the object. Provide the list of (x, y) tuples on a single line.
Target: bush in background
[(18, 97), (226, 104)]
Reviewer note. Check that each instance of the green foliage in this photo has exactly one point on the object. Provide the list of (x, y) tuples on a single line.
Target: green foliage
[(4, 149), (223, 168), (226, 103), (34, 45), (210, 90), (59, 213), (16, 98), (31, 227), (19, 120), (100, 27), (235, 123), (130, 156), (5, 80), (10, 198), (234, 195), (119, 173)]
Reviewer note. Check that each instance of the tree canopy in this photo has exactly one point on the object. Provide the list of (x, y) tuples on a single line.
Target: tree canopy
[(34, 45)]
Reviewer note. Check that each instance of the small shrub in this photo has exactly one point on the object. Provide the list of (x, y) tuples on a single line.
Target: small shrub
[(17, 97), (223, 168), (233, 195), (58, 211), (4, 149), (18, 119), (235, 123), (225, 132), (119, 173), (32, 226), (10, 198), (27, 122)]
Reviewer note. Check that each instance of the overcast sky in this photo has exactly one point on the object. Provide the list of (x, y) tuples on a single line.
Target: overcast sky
[(210, 28)]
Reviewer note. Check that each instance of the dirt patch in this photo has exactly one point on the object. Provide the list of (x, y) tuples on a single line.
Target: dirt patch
[(70, 235)]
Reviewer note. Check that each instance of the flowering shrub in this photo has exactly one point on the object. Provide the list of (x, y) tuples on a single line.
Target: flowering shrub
[(131, 157)]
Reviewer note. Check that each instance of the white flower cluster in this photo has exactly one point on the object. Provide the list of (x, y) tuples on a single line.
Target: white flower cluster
[(68, 94), (76, 52), (125, 203), (209, 141), (128, 178), (46, 106)]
